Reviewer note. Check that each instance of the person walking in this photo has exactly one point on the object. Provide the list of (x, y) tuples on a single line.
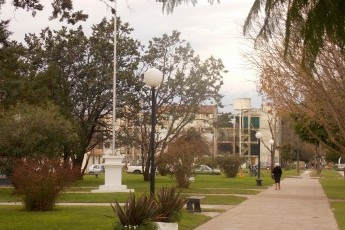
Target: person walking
[(277, 173)]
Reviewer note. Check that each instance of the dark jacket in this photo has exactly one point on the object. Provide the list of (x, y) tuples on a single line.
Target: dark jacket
[(277, 172)]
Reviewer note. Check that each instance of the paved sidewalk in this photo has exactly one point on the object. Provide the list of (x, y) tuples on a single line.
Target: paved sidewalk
[(300, 204)]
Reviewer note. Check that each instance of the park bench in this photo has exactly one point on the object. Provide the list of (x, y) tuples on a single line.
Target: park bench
[(193, 203)]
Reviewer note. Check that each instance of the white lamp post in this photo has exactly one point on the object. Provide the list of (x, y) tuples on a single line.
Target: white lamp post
[(153, 78), (258, 136), (271, 142)]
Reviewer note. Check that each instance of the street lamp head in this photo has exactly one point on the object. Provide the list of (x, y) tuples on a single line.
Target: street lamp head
[(153, 77), (271, 141), (258, 135)]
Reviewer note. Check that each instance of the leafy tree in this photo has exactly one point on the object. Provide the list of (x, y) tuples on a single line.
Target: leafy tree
[(224, 120), (332, 156), (76, 72), (313, 23), (188, 82), (31, 131), (313, 133), (310, 131), (293, 142), (11, 67), (62, 9)]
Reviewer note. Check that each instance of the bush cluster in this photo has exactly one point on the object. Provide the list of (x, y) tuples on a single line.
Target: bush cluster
[(230, 165), (39, 181)]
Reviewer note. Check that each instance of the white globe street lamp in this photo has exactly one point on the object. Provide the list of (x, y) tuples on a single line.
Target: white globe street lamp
[(258, 136), (153, 78)]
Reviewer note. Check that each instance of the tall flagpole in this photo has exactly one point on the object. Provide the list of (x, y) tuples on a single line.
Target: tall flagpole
[(113, 162), (114, 83)]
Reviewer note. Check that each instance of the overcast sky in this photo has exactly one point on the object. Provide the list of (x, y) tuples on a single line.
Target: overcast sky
[(211, 29)]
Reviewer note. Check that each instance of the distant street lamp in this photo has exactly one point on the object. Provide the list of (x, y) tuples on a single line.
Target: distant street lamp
[(271, 141), (258, 136), (153, 78)]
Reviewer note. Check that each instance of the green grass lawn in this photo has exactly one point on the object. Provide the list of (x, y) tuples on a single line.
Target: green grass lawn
[(6, 195), (14, 218), (136, 182), (204, 184), (334, 186), (76, 217), (94, 217)]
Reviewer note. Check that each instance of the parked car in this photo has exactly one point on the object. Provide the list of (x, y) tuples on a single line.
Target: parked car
[(340, 167), (204, 169), (96, 169), (135, 169)]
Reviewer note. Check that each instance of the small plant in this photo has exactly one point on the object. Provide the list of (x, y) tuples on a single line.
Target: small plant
[(136, 214), (40, 180), (141, 213), (169, 203)]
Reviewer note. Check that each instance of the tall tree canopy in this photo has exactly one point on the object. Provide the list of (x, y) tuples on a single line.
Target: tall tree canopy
[(315, 93), (61, 9), (33, 131), (75, 72), (65, 12), (188, 82), (314, 23)]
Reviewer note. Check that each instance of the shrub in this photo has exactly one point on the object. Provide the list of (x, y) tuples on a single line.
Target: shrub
[(169, 203), (163, 166), (136, 213), (182, 154), (39, 181), (230, 165), (141, 213)]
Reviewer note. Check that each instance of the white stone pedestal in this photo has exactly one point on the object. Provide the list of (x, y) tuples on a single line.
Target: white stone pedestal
[(113, 176), (167, 226)]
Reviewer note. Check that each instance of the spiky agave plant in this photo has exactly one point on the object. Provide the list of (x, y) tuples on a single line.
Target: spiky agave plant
[(169, 203), (136, 214)]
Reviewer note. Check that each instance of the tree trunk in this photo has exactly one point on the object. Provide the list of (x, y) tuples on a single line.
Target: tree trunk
[(146, 172)]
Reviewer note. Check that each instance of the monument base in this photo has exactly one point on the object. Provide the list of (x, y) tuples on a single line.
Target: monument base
[(114, 188), (113, 176)]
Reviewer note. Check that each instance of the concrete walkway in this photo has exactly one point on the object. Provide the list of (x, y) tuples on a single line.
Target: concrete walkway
[(300, 204)]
